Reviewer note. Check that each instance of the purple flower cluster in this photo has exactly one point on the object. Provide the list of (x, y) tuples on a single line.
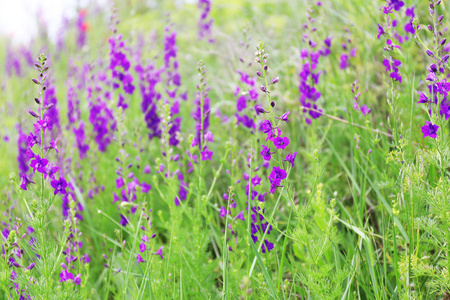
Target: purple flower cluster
[(11, 237), (120, 69), (278, 143), (149, 77), (102, 119), (356, 106), (392, 24), (309, 75), (437, 103), (38, 162), (201, 116), (128, 186), (247, 100), (205, 22), (22, 145), (50, 100), (172, 84), (146, 240), (344, 63), (71, 251)]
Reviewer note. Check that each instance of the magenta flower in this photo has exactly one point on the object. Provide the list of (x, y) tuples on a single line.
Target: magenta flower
[(38, 164), (142, 247), (281, 143), (423, 98), (119, 182), (25, 181), (59, 186), (206, 154), (51, 171), (240, 216), (42, 124), (77, 280), (268, 246), (223, 212), (275, 178), (65, 275), (123, 220), (365, 110), (290, 158), (284, 117), (139, 259), (53, 145), (380, 31), (266, 154), (429, 130), (32, 140), (159, 252)]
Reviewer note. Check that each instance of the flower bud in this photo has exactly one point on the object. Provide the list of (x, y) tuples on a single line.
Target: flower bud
[(430, 28), (263, 88), (37, 101), (33, 114), (438, 2), (430, 54), (49, 106), (440, 18), (433, 68), (444, 40), (272, 104), (274, 80), (35, 81), (445, 58), (260, 110), (258, 73), (265, 68)]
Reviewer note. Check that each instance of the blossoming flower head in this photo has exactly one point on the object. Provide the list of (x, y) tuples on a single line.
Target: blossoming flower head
[(25, 181), (290, 158), (281, 142), (284, 117), (266, 154), (38, 164), (159, 252), (429, 130), (59, 186)]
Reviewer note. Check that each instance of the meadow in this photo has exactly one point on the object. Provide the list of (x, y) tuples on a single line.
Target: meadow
[(228, 149)]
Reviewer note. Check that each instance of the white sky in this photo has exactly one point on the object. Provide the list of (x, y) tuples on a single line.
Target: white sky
[(18, 18)]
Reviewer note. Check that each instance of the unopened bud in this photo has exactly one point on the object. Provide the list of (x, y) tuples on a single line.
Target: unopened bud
[(33, 114), (35, 81)]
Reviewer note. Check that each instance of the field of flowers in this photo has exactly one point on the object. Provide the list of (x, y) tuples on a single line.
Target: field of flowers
[(228, 149)]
